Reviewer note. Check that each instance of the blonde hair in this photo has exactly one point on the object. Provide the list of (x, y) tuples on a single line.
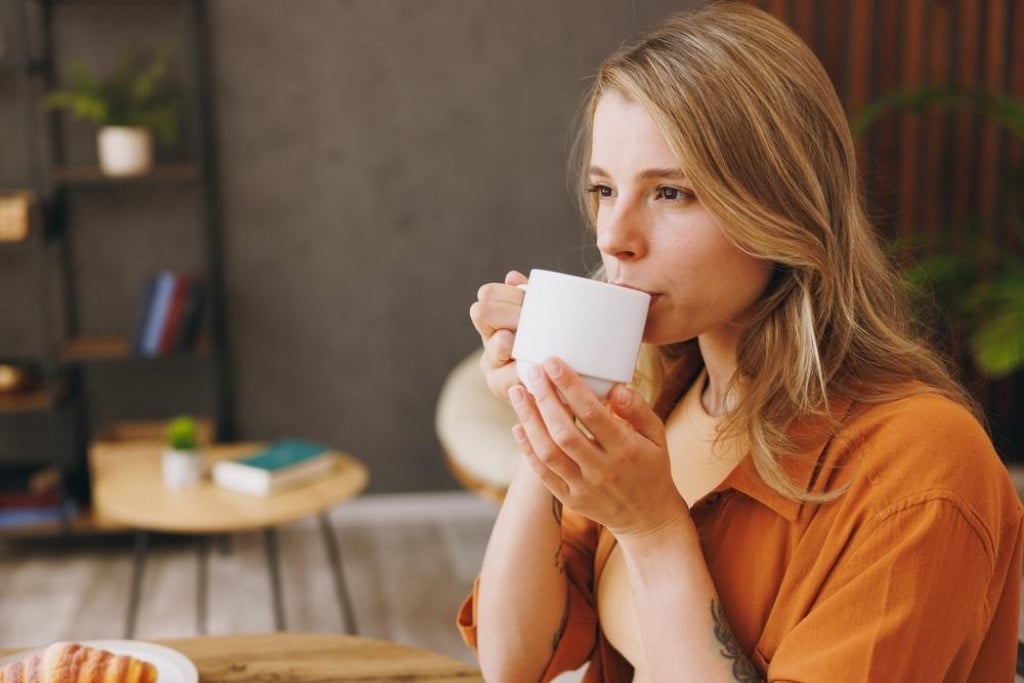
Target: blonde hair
[(756, 125)]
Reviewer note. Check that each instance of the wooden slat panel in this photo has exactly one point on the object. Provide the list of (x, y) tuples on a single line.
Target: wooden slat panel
[(1013, 156), (1010, 392), (804, 22), (885, 143), (835, 39), (992, 72), (934, 205), (777, 8), (940, 169), (965, 133), (859, 86), (913, 74)]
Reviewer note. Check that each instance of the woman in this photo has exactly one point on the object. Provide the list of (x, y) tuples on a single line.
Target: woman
[(808, 496)]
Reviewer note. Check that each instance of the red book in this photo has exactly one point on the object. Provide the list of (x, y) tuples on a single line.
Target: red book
[(175, 312)]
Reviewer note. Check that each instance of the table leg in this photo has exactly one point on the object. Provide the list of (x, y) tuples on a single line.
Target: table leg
[(270, 543), (138, 569), (202, 570), (223, 542), (340, 587)]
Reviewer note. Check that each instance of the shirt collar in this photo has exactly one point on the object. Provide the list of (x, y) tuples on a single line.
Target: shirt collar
[(813, 435)]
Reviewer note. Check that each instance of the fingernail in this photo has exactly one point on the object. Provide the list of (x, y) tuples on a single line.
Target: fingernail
[(553, 367), (623, 395), (515, 394), (517, 433), (534, 374)]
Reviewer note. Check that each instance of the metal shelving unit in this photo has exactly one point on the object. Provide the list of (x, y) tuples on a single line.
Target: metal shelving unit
[(56, 183)]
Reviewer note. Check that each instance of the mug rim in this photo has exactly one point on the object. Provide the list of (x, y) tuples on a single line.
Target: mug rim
[(570, 276)]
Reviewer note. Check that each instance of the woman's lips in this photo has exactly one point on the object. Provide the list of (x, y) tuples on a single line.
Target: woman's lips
[(653, 295)]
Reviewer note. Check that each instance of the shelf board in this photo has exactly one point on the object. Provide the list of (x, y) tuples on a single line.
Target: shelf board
[(91, 175), (36, 401), (117, 349), (85, 522), (123, 431)]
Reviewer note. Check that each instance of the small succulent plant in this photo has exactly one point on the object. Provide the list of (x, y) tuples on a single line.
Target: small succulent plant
[(182, 434)]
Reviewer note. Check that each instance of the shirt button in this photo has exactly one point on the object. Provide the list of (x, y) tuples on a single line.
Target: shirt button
[(712, 499)]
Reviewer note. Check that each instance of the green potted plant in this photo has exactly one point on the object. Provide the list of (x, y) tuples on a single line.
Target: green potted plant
[(980, 280), (129, 107), (182, 462)]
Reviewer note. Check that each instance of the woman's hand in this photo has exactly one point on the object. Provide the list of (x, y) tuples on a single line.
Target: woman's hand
[(495, 315), (621, 475)]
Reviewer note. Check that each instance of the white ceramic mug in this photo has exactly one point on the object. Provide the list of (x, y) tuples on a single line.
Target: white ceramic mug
[(593, 326)]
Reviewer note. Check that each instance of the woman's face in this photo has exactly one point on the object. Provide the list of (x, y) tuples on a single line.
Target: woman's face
[(654, 234)]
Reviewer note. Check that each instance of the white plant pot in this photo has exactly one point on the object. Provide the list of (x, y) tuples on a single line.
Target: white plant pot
[(181, 468), (125, 150)]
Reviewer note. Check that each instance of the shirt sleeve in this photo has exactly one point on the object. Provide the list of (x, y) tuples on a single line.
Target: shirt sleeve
[(576, 643), (909, 601)]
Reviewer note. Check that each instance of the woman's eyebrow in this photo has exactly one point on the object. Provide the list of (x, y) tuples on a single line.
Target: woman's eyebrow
[(663, 173), (647, 174)]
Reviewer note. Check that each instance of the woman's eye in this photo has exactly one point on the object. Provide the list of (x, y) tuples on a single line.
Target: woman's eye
[(674, 194), (600, 190)]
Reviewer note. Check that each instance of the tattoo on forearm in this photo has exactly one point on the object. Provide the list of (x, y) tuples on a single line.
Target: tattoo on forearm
[(742, 668), (556, 510)]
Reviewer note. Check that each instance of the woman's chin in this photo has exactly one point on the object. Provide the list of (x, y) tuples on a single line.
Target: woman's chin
[(661, 337)]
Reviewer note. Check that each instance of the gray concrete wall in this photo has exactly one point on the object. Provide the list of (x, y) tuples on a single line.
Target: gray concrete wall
[(379, 160)]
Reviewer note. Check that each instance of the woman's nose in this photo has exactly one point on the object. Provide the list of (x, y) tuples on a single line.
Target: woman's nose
[(621, 236)]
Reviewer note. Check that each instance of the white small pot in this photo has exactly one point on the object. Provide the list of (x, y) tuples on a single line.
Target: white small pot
[(125, 150), (181, 468)]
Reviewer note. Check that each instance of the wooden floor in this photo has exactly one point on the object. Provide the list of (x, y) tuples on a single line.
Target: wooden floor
[(408, 562)]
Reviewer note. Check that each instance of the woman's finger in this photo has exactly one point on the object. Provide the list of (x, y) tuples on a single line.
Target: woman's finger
[(514, 277), (584, 404), (551, 481), (500, 380), (542, 443), (498, 349), (558, 421), (490, 315), (631, 407)]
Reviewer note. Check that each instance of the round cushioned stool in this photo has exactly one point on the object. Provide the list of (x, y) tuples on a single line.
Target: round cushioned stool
[(475, 431)]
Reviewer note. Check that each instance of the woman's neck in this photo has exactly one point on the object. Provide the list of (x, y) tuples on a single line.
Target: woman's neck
[(719, 353)]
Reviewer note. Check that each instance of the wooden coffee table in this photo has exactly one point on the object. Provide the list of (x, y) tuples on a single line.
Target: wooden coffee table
[(314, 658), (128, 489)]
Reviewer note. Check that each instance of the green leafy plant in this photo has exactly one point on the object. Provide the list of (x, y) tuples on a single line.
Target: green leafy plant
[(183, 434), (136, 94), (981, 281)]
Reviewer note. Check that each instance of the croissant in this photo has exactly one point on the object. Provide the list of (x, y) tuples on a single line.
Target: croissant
[(73, 663)]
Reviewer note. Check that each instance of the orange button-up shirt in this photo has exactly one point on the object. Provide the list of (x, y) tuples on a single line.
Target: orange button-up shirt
[(912, 574)]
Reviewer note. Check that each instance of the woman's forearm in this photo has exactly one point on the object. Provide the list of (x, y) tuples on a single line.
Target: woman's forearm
[(522, 594), (685, 634)]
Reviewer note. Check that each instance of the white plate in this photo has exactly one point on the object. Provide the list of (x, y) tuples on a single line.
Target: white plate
[(171, 665)]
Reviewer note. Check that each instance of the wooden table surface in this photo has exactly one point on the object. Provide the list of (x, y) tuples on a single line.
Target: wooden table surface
[(128, 489), (314, 658)]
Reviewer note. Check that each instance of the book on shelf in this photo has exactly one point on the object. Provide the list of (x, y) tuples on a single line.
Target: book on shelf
[(281, 464), (13, 518), (169, 316), (33, 494)]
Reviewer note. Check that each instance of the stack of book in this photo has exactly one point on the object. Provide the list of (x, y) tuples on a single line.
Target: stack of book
[(170, 314), (282, 464), (32, 495)]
